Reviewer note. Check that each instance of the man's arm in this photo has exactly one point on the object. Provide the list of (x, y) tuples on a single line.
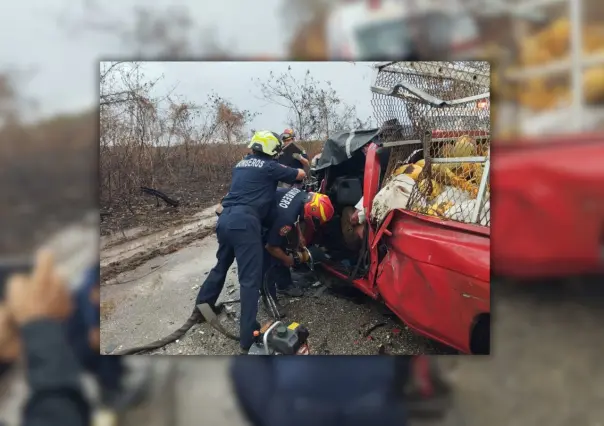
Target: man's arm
[(278, 253), (53, 371), (303, 158), (282, 173), (275, 240), (301, 239), (39, 304)]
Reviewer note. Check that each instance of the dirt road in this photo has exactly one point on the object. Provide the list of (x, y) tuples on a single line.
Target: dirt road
[(151, 280), (546, 370)]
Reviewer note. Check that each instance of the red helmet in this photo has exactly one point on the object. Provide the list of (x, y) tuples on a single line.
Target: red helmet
[(288, 134), (318, 206)]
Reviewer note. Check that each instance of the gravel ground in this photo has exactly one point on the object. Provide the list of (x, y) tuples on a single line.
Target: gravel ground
[(338, 326), (155, 298)]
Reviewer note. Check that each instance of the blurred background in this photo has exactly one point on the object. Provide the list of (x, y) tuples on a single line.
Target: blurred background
[(548, 83)]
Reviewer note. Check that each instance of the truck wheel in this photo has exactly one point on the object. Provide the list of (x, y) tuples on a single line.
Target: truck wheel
[(480, 339)]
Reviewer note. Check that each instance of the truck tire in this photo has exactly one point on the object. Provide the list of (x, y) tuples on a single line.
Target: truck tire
[(480, 337)]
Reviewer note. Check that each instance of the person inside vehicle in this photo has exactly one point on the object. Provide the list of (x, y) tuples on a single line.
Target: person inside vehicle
[(301, 159), (239, 228), (32, 325), (293, 207)]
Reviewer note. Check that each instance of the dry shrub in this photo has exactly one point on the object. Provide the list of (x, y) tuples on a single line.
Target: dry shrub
[(162, 142), (47, 177)]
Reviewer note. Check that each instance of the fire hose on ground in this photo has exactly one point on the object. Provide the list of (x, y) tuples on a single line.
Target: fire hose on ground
[(205, 313)]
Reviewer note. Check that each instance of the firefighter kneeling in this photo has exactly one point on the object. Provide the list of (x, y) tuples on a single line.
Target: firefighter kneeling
[(284, 242)]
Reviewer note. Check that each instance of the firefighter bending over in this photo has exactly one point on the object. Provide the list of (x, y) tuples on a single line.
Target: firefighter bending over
[(245, 208), (293, 206)]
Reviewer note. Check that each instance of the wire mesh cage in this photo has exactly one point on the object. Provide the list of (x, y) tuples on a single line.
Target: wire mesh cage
[(441, 112)]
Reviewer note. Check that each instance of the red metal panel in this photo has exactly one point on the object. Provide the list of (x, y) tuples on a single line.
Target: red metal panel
[(370, 188), (436, 278), (363, 284), (548, 208)]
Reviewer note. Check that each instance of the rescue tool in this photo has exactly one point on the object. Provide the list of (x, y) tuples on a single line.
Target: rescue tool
[(279, 339)]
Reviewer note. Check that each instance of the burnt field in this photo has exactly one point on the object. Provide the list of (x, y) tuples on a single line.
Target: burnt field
[(196, 177), (47, 179)]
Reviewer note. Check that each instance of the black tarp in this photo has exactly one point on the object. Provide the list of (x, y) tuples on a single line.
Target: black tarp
[(341, 147)]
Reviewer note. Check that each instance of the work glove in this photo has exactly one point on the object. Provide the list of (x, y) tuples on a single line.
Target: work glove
[(297, 156), (297, 259), (300, 257)]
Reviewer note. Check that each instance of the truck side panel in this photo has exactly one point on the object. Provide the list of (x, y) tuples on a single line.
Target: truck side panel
[(549, 208), (435, 278)]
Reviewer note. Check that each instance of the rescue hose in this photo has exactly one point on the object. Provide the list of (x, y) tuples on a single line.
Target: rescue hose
[(199, 314), (267, 299), (193, 319)]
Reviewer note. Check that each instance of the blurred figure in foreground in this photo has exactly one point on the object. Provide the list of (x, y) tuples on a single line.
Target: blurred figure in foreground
[(339, 391), (120, 387), (31, 324)]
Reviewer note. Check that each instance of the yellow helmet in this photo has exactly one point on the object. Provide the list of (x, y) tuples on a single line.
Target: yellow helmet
[(267, 142)]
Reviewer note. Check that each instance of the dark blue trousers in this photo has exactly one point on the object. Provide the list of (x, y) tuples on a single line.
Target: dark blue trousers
[(278, 275), (266, 403), (239, 238)]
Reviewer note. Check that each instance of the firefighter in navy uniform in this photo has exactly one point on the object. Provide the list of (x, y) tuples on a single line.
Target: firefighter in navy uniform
[(292, 206), (32, 326), (245, 208), (301, 159), (343, 391)]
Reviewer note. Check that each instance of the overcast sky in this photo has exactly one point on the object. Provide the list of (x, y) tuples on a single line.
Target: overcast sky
[(194, 81), (50, 38)]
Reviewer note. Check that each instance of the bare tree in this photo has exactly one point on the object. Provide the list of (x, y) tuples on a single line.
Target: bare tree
[(230, 121), (315, 112), (137, 130), (160, 140)]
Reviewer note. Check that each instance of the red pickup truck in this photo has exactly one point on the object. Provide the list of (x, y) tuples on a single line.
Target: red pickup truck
[(434, 274)]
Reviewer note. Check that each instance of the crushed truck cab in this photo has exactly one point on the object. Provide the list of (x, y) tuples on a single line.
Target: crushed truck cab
[(422, 182)]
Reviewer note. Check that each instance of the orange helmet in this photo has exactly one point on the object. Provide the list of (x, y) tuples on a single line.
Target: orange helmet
[(288, 134), (318, 206)]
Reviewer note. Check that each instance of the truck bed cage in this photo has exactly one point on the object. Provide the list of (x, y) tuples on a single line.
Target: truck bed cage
[(444, 109)]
